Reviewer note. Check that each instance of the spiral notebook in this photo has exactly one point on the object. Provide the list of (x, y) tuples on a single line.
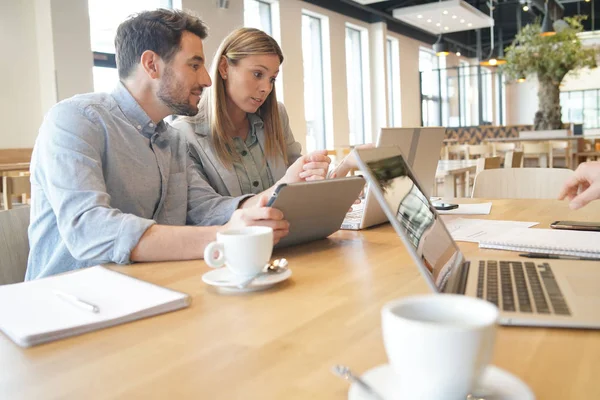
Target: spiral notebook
[(550, 241), (70, 304)]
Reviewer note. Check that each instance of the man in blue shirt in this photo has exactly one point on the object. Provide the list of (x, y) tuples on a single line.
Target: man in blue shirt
[(112, 182)]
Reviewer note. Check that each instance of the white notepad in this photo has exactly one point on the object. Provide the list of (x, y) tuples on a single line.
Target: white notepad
[(32, 313), (559, 242)]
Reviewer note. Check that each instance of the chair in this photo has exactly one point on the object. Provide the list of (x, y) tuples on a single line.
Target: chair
[(540, 150), (520, 183), (498, 148), (561, 149), (478, 150), (14, 244), (488, 163), (457, 151), (15, 186), (513, 159)]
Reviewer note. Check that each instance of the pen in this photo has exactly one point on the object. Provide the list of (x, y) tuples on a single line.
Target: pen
[(69, 298), (557, 257)]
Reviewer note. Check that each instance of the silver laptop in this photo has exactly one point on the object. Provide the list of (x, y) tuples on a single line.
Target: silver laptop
[(527, 291), (421, 147)]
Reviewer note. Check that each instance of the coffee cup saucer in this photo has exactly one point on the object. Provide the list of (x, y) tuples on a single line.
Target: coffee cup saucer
[(496, 384), (226, 281)]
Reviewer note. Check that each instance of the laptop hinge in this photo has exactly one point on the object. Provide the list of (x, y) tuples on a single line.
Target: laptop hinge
[(462, 280)]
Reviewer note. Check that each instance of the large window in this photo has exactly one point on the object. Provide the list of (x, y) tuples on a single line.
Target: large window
[(581, 107), (466, 94), (393, 82), (486, 97), (257, 14), (430, 88), (105, 17), (356, 79), (314, 86)]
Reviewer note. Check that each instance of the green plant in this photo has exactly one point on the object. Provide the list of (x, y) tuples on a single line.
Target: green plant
[(550, 58)]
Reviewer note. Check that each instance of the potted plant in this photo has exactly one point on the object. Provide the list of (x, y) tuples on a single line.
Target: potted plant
[(550, 58)]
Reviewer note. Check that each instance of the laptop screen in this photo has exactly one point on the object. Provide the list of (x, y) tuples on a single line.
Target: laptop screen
[(416, 220)]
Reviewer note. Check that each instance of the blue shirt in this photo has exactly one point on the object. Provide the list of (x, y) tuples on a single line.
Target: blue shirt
[(102, 173)]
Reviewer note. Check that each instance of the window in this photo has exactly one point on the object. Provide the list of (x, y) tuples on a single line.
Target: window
[(430, 88), (257, 14), (466, 97), (393, 82), (486, 97), (355, 76), (314, 86), (105, 17), (263, 15), (581, 107)]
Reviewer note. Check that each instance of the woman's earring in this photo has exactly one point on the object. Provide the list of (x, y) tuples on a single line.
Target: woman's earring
[(224, 76)]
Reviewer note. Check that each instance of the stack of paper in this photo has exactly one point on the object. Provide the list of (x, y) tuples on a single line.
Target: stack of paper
[(53, 308), (478, 230)]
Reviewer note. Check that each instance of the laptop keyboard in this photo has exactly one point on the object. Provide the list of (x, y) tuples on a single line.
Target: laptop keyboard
[(520, 287), (356, 213)]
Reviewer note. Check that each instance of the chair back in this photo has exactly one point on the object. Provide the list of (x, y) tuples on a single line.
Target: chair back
[(14, 244), (513, 159), (488, 163), (502, 147), (458, 151), (520, 183), (15, 186), (479, 150)]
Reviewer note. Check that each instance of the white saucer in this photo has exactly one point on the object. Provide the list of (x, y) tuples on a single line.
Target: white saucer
[(226, 281), (496, 384)]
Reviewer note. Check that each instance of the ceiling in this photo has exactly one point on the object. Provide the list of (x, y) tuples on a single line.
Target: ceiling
[(508, 16)]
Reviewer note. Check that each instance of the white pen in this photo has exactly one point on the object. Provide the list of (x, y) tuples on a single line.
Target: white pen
[(69, 298)]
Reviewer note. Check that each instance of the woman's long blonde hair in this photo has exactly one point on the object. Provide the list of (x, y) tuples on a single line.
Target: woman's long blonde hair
[(239, 44)]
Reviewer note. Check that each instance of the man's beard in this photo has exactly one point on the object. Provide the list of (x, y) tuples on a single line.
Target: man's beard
[(173, 95)]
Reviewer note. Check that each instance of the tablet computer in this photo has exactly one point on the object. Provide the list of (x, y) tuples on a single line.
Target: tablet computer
[(315, 209)]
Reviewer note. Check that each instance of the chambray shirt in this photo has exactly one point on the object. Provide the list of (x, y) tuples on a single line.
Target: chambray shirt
[(251, 169), (102, 173)]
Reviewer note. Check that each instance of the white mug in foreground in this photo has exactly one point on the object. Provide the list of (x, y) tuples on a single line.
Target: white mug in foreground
[(438, 345), (244, 251)]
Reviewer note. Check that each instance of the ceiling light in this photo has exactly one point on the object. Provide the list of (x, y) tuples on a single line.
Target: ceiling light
[(429, 20), (446, 28), (462, 21), (440, 47), (469, 24), (521, 79), (458, 53), (587, 1), (525, 8), (419, 16), (445, 12), (547, 29), (454, 17), (438, 24)]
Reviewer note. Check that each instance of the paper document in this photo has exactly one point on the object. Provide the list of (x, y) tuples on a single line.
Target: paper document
[(469, 209), (477, 230)]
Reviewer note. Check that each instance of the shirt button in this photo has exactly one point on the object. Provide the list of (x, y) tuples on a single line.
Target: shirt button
[(255, 183), (151, 125), (139, 127), (244, 153)]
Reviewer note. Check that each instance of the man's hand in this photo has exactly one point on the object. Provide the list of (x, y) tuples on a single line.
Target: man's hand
[(583, 186), (311, 167), (262, 216)]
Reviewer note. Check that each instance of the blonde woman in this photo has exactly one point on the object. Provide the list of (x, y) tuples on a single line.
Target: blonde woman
[(241, 140)]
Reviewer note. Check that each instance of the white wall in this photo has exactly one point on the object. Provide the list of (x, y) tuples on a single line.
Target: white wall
[(410, 92), (20, 106), (48, 58)]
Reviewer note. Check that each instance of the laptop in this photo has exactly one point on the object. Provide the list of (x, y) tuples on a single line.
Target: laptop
[(528, 292), (421, 146)]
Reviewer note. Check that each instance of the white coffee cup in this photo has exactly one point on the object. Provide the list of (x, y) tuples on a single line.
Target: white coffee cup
[(244, 251), (438, 345)]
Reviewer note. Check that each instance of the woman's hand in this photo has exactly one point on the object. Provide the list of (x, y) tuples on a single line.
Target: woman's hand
[(311, 167)]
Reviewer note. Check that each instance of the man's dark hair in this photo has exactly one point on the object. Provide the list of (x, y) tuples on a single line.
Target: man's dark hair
[(159, 31)]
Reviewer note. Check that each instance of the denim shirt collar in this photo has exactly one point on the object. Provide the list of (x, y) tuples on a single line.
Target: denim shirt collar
[(134, 112)]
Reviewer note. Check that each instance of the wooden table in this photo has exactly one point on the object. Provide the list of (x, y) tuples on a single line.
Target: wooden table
[(459, 171), (281, 343)]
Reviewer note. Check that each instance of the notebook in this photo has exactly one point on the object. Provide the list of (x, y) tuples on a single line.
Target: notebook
[(44, 310), (559, 242)]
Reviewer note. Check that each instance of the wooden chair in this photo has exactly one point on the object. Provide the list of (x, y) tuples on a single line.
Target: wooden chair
[(513, 159), (561, 149), (15, 186), (457, 151), (14, 244), (478, 150), (488, 163), (500, 149), (542, 151), (520, 183)]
